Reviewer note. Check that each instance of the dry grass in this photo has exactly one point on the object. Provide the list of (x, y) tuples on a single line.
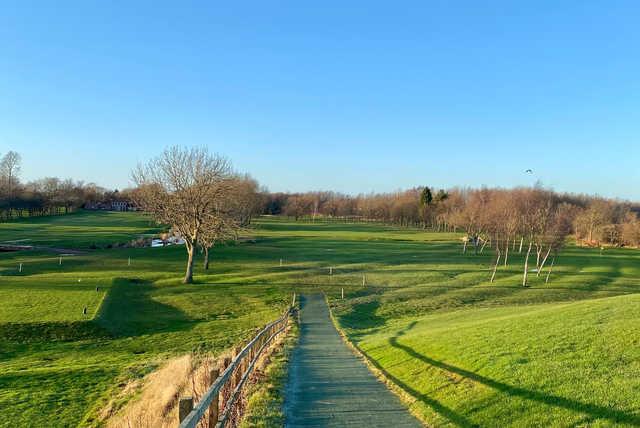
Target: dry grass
[(157, 403), (154, 400)]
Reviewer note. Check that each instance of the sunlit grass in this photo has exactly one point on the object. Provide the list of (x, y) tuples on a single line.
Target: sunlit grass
[(427, 314)]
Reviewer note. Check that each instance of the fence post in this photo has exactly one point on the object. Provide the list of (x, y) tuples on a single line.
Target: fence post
[(213, 410), (185, 406), (342, 293)]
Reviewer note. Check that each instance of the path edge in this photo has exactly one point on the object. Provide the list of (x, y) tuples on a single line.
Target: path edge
[(407, 399)]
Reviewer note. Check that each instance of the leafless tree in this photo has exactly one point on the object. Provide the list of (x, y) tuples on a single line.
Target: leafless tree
[(9, 171), (181, 188)]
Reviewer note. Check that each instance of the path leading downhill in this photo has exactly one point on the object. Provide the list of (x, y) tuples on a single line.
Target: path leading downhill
[(329, 385)]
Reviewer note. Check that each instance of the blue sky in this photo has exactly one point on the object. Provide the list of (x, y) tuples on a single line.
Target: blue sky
[(349, 96)]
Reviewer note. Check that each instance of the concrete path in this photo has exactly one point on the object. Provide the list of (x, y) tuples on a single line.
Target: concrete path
[(329, 386)]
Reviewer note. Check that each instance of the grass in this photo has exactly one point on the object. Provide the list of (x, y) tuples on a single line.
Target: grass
[(467, 352), (59, 367), (81, 229)]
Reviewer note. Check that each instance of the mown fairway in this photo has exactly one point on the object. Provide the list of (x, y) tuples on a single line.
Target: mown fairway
[(467, 352)]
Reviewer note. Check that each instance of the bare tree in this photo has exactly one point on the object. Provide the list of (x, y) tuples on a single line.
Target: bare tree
[(180, 188), (9, 171)]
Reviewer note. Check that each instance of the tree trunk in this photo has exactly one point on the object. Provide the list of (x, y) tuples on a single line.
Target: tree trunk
[(553, 260), (188, 276), (521, 242), (206, 258), (544, 261), (483, 245), (506, 253), (495, 267), (526, 266)]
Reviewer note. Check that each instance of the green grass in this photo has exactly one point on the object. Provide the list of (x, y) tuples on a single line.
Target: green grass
[(468, 352), (265, 397), (81, 229)]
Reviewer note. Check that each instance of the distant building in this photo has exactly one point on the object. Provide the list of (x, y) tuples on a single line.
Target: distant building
[(110, 206), (120, 206)]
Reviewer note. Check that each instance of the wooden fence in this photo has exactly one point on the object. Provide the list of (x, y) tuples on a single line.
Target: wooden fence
[(218, 406)]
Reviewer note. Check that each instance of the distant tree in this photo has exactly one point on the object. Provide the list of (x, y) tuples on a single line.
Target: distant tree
[(426, 199), (9, 172)]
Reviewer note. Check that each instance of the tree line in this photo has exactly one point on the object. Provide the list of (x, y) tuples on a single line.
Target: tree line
[(534, 222), (46, 196), (593, 220)]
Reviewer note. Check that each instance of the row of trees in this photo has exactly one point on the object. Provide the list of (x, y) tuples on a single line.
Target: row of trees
[(46, 196), (199, 195), (534, 222), (593, 221)]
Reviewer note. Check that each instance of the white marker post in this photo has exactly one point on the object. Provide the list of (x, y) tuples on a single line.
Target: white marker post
[(60, 261), (342, 293), (293, 300), (363, 281), (129, 261), (20, 268), (330, 271)]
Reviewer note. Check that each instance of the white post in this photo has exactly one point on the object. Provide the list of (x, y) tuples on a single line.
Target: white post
[(342, 293), (363, 281), (129, 261), (20, 268), (293, 301), (60, 261), (331, 271)]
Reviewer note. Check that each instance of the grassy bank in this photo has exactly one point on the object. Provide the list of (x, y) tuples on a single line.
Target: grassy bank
[(466, 351)]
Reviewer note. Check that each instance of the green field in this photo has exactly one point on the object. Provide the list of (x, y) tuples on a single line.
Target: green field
[(465, 352)]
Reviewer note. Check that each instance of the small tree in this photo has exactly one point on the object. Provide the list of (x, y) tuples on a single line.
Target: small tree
[(426, 198)]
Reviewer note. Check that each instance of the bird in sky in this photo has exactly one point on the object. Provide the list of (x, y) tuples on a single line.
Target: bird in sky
[(529, 171)]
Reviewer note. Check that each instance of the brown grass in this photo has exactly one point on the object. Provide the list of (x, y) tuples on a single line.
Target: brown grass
[(159, 392)]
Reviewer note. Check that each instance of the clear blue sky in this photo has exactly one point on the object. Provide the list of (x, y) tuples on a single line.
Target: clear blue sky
[(349, 96)]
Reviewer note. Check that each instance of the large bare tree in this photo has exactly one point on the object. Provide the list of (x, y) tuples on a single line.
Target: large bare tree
[(181, 188)]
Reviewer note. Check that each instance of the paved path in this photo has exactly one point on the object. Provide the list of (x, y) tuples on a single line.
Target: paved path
[(329, 386)]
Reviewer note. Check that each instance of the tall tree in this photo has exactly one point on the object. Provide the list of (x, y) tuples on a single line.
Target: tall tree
[(9, 171), (180, 188)]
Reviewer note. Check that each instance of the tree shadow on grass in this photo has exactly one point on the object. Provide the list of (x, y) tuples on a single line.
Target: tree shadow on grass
[(128, 310), (593, 411), (448, 413)]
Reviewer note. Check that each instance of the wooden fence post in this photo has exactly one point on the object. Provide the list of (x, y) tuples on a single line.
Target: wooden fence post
[(185, 406), (214, 409)]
